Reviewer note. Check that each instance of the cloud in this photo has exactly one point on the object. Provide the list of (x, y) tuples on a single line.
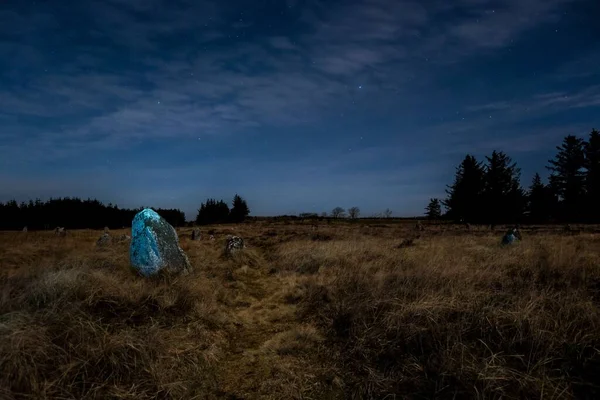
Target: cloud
[(145, 70), (582, 67), (542, 103), (282, 43), (495, 24), (501, 105)]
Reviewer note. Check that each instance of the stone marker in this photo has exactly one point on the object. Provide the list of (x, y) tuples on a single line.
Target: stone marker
[(104, 240), (124, 238), (196, 234), (511, 236), (406, 243), (155, 245), (233, 244)]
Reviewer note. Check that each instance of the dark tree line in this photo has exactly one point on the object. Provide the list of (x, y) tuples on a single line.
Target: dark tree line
[(490, 192), (74, 213), (218, 212)]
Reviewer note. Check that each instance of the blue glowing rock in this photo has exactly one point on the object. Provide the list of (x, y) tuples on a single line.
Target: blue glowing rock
[(511, 236), (155, 245)]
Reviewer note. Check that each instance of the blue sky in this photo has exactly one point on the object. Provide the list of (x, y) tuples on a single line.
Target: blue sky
[(298, 106)]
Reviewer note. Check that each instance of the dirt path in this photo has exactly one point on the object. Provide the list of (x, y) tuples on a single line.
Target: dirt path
[(252, 367)]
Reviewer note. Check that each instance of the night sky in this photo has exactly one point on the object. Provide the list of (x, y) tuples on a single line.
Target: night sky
[(298, 106)]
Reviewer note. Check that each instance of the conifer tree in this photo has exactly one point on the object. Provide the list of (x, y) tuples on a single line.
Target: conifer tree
[(504, 200), (592, 176), (568, 178), (239, 210), (434, 209), (541, 202), (465, 194)]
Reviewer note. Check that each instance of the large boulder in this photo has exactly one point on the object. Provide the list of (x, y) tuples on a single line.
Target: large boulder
[(155, 245)]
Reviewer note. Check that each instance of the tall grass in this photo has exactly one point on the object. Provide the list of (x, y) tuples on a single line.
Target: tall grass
[(75, 322), (336, 312), (460, 318)]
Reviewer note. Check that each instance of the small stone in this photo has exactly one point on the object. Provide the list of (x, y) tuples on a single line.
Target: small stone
[(511, 236), (406, 243), (121, 239), (196, 234), (233, 244), (104, 240)]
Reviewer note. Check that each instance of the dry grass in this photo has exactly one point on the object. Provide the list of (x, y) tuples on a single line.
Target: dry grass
[(341, 311)]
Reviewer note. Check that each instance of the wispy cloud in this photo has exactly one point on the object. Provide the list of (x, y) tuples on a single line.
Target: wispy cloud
[(542, 103), (226, 89), (88, 79)]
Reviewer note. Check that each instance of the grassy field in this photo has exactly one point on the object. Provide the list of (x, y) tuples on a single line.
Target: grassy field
[(331, 311)]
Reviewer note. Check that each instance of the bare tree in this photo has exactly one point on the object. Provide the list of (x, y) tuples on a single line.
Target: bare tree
[(353, 212), (387, 213), (338, 212)]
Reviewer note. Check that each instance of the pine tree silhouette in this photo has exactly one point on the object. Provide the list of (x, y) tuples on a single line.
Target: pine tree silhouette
[(592, 176), (434, 209), (568, 177), (504, 200), (465, 194), (541, 202), (240, 209)]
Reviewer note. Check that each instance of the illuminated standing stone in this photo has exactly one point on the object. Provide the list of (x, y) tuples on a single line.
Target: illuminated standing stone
[(155, 245)]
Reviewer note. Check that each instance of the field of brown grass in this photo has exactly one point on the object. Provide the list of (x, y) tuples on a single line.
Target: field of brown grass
[(332, 311)]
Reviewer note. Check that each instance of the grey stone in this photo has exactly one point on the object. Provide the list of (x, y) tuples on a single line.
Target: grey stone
[(233, 244), (155, 245), (104, 240), (511, 236), (406, 243), (196, 234)]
